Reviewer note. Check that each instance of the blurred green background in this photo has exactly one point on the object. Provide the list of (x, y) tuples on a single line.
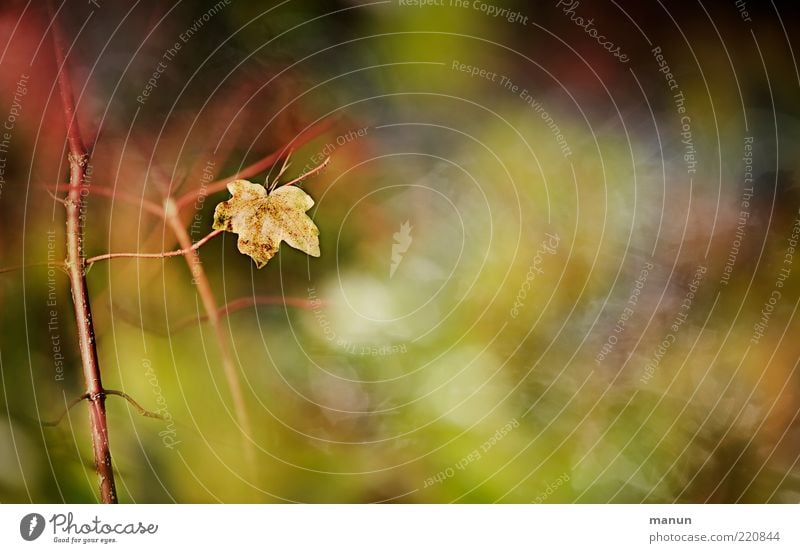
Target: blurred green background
[(459, 360)]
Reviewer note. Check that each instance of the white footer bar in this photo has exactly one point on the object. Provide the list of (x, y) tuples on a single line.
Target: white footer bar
[(400, 528)]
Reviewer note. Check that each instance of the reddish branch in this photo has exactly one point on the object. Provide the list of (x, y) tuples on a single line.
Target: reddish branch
[(78, 160), (217, 186), (206, 294), (200, 279), (261, 165)]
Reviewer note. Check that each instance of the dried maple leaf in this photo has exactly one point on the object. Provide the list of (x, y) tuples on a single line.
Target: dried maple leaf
[(262, 220)]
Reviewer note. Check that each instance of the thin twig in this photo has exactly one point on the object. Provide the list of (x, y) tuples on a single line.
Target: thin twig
[(62, 201), (174, 253), (141, 410), (71, 404), (309, 173), (282, 170)]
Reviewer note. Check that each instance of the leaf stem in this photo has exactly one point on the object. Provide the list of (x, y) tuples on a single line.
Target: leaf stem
[(309, 173)]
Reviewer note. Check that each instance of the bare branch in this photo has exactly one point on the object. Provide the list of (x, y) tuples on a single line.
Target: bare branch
[(141, 410), (78, 160), (174, 253)]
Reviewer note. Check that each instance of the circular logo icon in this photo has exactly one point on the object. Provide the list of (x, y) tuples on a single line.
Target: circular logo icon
[(31, 526)]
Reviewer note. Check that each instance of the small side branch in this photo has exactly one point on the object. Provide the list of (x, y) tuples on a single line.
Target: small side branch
[(139, 409), (174, 253), (71, 404)]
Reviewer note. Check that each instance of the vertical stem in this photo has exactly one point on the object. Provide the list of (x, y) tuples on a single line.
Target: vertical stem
[(212, 311), (78, 161)]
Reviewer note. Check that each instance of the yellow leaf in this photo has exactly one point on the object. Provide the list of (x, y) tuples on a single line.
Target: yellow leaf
[(263, 220)]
